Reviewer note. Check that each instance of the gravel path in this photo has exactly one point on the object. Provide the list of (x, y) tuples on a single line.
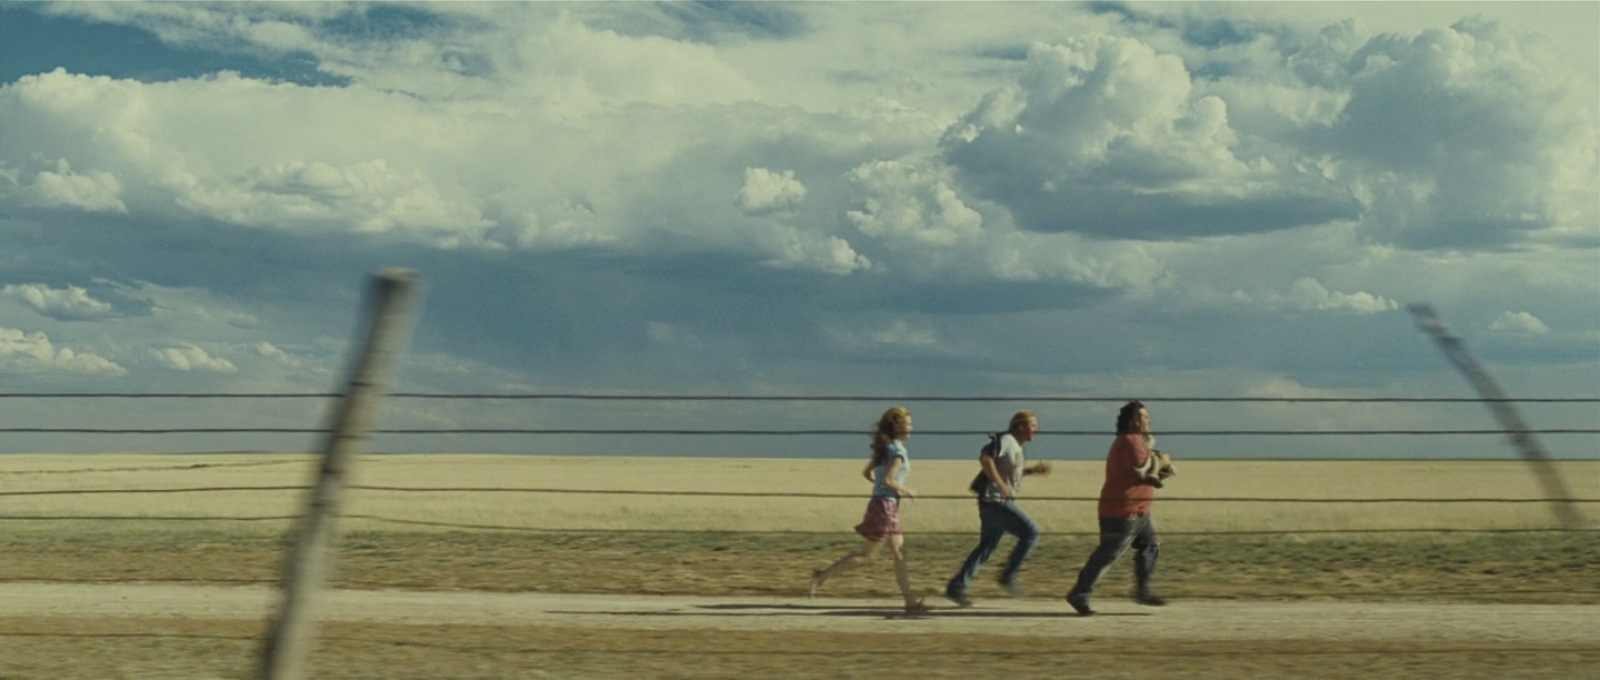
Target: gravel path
[(1181, 620)]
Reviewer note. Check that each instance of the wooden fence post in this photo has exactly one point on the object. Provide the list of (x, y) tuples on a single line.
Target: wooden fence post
[(1555, 489), (388, 314)]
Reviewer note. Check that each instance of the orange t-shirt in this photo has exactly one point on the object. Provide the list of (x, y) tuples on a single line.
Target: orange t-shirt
[(1124, 494)]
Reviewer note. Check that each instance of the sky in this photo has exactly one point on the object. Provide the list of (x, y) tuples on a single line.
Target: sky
[(896, 200)]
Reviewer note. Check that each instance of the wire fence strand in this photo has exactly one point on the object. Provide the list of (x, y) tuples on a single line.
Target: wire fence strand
[(567, 396), (760, 433)]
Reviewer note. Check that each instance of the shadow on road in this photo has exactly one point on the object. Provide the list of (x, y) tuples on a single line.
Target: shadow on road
[(869, 611)]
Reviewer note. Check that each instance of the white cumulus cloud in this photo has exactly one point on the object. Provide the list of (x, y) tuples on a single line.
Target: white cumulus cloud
[(907, 203), (67, 303), (766, 191), (914, 214), (1104, 135), (191, 358), (368, 196), (271, 351), (809, 251), (1310, 294), (1521, 323), (34, 353), (61, 187), (1497, 142), (899, 334)]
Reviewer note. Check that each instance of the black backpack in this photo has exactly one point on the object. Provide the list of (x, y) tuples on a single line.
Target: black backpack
[(981, 482)]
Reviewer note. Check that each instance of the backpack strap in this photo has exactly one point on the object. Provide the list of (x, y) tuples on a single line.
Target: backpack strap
[(981, 482)]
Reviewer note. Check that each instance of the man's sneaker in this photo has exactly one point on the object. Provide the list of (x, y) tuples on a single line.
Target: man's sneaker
[(1150, 600), (959, 598), (1011, 588), (1080, 603)]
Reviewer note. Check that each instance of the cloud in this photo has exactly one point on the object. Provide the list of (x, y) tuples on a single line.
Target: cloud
[(898, 336), (368, 197), (636, 197), (1519, 323), (904, 203), (1468, 137), (200, 27), (1304, 294), (191, 358), (765, 191), (33, 353), (1309, 294), (913, 214), (270, 351), (60, 187), (808, 251), (65, 304), (1105, 137)]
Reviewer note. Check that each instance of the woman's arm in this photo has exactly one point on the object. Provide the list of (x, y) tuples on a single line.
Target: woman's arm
[(892, 474)]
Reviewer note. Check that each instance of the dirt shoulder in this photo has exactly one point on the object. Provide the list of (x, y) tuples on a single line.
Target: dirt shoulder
[(1180, 620), (65, 631)]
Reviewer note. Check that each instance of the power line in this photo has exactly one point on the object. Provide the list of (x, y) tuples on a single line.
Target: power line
[(566, 396), (763, 433), (752, 494)]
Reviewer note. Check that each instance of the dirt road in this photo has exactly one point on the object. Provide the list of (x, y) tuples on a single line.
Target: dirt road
[(1181, 620)]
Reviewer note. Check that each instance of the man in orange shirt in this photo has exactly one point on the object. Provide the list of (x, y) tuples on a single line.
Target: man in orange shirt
[(1133, 473)]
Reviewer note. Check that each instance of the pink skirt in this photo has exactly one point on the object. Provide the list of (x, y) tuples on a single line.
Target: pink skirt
[(882, 520)]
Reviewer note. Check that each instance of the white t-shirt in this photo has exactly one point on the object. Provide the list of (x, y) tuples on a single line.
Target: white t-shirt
[(1008, 461)]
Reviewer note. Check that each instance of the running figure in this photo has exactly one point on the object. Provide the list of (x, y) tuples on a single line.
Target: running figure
[(1004, 465), (1133, 473), (887, 470)]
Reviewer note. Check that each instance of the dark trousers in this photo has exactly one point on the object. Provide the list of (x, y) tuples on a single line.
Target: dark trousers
[(1116, 536), (998, 519)]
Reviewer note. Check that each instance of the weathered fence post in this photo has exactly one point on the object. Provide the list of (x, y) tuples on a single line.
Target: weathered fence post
[(1555, 489), (387, 319)]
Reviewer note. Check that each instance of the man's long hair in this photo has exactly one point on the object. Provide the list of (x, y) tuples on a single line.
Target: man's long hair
[(1128, 417)]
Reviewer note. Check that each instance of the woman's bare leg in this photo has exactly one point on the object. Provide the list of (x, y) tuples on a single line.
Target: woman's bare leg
[(902, 573), (846, 563)]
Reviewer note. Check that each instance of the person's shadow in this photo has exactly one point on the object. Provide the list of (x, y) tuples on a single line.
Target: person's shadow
[(860, 611)]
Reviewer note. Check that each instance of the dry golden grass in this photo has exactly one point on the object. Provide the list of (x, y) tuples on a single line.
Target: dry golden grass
[(169, 649), (639, 543), (505, 491)]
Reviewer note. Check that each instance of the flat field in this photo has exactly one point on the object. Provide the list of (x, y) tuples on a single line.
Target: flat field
[(1264, 540)]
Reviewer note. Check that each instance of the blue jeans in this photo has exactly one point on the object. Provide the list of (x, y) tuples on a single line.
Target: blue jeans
[(1116, 536), (998, 520)]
